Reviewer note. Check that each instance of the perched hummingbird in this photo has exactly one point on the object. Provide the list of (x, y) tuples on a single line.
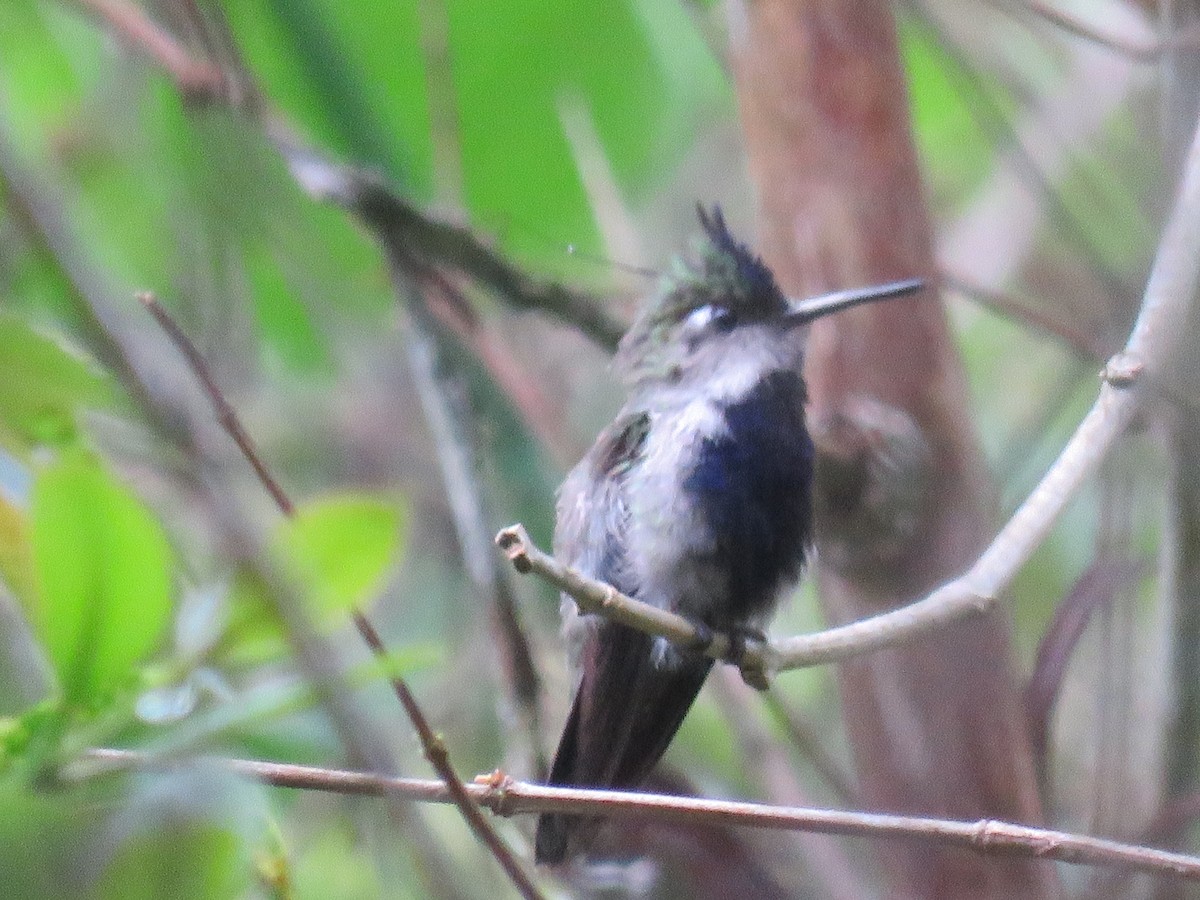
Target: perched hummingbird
[(697, 499)]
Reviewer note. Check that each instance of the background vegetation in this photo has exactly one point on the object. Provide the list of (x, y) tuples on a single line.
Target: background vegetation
[(146, 576)]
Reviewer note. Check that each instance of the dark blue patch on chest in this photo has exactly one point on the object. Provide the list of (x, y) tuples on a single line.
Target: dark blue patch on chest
[(753, 485)]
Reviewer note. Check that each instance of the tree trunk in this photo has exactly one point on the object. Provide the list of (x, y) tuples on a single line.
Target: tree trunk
[(937, 727)]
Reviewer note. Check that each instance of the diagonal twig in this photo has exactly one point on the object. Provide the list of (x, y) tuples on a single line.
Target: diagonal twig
[(197, 79), (432, 744), (120, 346), (227, 417), (449, 424), (388, 215), (1141, 48), (1149, 353), (1094, 590)]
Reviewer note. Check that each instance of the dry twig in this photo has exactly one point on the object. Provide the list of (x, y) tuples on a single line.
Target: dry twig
[(432, 745), (1149, 351), (507, 797)]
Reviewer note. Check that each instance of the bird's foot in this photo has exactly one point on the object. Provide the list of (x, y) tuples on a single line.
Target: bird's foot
[(704, 638), (742, 639)]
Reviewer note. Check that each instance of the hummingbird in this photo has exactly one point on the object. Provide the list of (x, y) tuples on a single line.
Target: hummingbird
[(697, 498)]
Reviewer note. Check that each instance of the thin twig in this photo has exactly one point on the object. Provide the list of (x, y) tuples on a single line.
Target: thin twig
[(1142, 51), (408, 234), (506, 797), (592, 596), (196, 79), (1177, 815), (391, 218), (432, 745), (227, 418), (122, 348), (1148, 354), (1094, 590), (395, 227), (449, 423)]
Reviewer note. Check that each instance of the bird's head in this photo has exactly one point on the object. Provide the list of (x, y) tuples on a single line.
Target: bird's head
[(724, 306)]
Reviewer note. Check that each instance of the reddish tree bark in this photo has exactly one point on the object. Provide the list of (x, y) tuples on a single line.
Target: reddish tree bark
[(937, 727)]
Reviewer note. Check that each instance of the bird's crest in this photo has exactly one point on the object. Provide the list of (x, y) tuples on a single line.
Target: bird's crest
[(727, 273), (724, 273)]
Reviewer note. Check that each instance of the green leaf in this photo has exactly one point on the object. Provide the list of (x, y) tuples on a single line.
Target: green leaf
[(638, 73), (356, 82), (43, 387), (186, 859), (342, 547), (38, 831), (103, 570), (334, 867)]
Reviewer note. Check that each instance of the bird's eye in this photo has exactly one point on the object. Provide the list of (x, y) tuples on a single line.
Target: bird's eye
[(710, 315), (724, 319)]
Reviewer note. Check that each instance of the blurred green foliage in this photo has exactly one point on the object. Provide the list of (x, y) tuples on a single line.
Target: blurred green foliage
[(459, 105), (44, 386), (103, 571)]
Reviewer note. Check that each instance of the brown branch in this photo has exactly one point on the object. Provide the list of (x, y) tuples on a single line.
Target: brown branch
[(1149, 351), (753, 657), (449, 422), (121, 347), (394, 221), (422, 243), (432, 745), (1177, 815), (507, 797), (227, 418), (1093, 591), (196, 79), (407, 234)]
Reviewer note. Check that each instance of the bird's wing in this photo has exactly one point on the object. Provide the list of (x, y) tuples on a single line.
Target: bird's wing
[(630, 700), (592, 515)]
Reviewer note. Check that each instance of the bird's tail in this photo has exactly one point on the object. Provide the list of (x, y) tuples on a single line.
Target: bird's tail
[(631, 701)]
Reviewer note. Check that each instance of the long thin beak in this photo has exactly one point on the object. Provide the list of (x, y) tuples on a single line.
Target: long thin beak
[(804, 311)]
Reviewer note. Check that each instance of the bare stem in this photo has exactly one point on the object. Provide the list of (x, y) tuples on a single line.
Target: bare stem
[(597, 597), (226, 416), (432, 745), (1148, 354), (394, 221), (1140, 48), (196, 79), (504, 796)]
